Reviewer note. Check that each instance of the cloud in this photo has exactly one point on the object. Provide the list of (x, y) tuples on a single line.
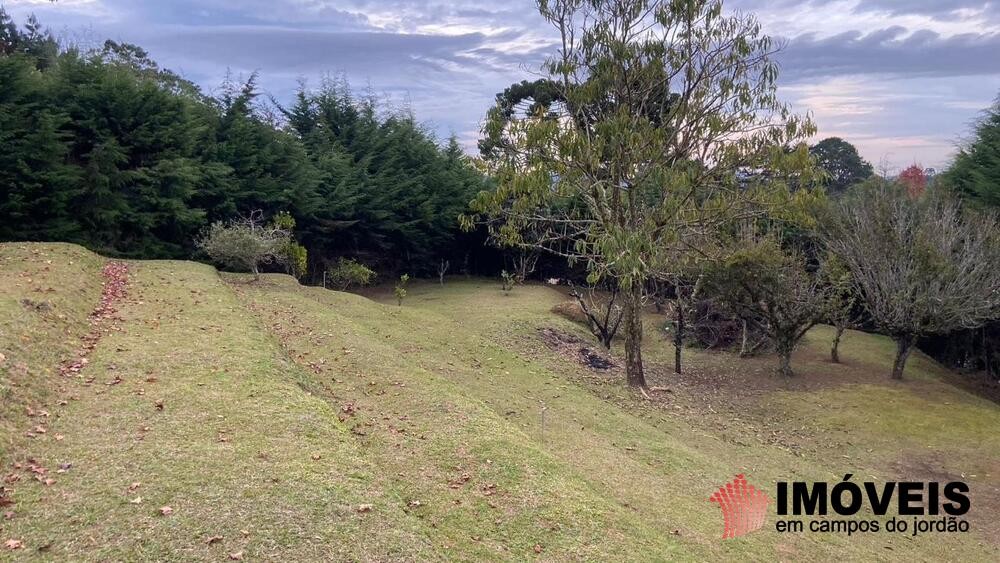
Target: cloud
[(902, 77), (891, 51)]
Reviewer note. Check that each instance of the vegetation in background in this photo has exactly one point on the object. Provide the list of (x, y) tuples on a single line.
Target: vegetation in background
[(400, 290), (350, 273), (923, 266), (651, 115), (247, 243), (842, 303), (914, 179), (975, 174), (975, 178), (507, 281), (762, 280), (106, 149), (842, 163)]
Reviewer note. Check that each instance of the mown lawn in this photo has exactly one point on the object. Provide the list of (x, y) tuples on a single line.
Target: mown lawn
[(305, 424)]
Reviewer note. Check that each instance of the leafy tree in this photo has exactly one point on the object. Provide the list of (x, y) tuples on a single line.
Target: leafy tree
[(776, 285), (391, 194), (296, 256), (39, 187), (923, 266), (975, 174), (914, 179), (842, 163), (661, 105), (842, 300)]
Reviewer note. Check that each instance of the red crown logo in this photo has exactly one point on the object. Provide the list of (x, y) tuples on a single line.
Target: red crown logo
[(743, 507)]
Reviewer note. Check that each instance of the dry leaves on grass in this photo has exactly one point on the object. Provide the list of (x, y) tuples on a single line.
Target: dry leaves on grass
[(166, 510), (115, 279), (13, 544)]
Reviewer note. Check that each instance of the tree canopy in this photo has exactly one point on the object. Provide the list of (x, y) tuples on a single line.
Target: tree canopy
[(841, 162), (975, 174), (652, 116), (107, 149)]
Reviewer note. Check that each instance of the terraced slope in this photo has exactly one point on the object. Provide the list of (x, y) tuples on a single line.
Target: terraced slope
[(227, 419)]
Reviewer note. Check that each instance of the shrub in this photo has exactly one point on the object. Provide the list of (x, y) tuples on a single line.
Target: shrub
[(400, 289), (245, 244), (349, 272), (296, 259), (507, 281)]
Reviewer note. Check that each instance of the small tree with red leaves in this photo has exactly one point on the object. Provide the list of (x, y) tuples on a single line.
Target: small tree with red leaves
[(914, 180)]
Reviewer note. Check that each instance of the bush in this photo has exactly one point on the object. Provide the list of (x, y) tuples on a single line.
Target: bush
[(400, 289), (245, 244), (507, 281), (349, 273), (296, 259)]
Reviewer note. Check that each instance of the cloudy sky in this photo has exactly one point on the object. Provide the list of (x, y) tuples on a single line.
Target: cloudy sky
[(901, 79)]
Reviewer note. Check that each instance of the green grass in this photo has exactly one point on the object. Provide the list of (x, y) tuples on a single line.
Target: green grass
[(287, 408), (46, 293)]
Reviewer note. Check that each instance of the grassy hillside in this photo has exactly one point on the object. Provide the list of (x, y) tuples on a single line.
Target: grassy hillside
[(299, 423)]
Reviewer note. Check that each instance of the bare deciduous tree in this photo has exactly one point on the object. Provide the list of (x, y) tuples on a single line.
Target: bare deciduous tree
[(443, 269), (524, 264), (922, 266), (603, 312)]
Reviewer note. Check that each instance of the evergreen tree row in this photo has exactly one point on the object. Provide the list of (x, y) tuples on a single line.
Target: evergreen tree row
[(106, 149)]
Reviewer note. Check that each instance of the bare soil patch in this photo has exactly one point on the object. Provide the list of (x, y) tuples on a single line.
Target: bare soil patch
[(577, 349)]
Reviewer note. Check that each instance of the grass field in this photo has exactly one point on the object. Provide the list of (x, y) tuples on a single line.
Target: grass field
[(275, 421)]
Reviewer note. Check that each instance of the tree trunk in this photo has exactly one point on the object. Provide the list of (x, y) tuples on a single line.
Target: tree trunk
[(679, 338), (743, 345), (256, 272), (606, 339), (785, 362), (987, 365), (633, 336), (904, 345), (835, 350)]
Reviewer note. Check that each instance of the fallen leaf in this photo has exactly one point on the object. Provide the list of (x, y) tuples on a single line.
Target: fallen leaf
[(236, 556), (213, 539), (136, 500), (166, 510), (159, 405), (13, 544), (59, 437), (538, 548), (362, 508)]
